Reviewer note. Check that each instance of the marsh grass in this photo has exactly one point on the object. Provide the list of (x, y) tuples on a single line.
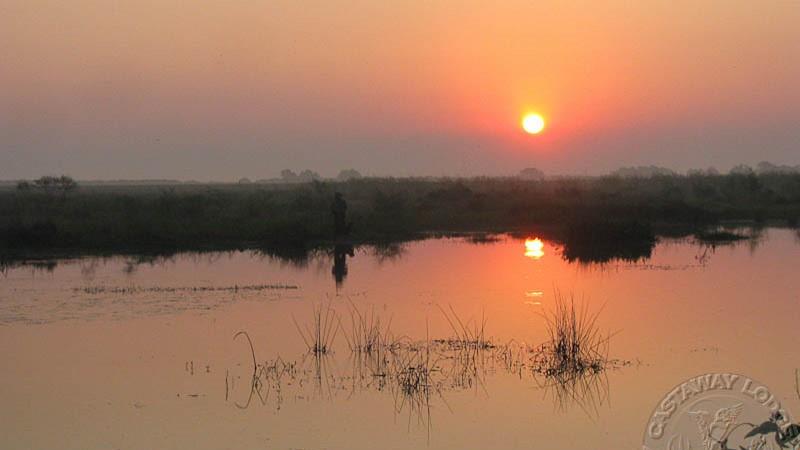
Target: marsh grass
[(468, 335), (417, 377), (321, 333), (588, 391), (576, 346), (267, 383), (571, 366), (321, 370), (410, 370), (266, 377), (466, 350), (414, 370), (371, 343), (366, 332)]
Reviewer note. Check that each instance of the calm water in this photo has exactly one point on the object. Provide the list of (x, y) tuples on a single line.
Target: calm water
[(132, 354)]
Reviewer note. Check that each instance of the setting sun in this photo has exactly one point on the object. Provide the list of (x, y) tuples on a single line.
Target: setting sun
[(533, 123)]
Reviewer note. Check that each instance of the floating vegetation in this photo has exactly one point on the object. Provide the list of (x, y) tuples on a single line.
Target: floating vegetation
[(131, 290)]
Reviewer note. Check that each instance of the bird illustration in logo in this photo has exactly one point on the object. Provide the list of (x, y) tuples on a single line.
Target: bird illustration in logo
[(783, 436), (714, 429)]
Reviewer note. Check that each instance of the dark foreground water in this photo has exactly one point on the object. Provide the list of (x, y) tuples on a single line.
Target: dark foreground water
[(140, 353)]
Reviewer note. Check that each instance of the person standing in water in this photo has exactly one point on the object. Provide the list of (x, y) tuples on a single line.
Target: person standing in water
[(339, 210), (341, 249)]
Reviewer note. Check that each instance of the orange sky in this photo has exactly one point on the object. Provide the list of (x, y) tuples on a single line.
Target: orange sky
[(218, 90)]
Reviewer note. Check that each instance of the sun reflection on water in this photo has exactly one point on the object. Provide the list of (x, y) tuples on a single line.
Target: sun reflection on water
[(534, 248)]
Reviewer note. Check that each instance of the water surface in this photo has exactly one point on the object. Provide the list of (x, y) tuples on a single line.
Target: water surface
[(135, 353)]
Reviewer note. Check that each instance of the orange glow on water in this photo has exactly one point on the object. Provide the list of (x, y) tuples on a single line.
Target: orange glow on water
[(534, 248)]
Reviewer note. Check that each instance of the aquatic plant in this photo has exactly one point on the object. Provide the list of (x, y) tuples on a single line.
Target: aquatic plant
[(575, 346), (320, 334), (470, 334), (265, 378), (365, 333), (414, 376), (571, 366)]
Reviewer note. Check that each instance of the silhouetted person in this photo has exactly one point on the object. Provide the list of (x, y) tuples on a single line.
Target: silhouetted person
[(340, 254), (339, 210)]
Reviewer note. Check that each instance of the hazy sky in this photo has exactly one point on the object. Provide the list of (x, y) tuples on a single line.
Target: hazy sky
[(217, 90)]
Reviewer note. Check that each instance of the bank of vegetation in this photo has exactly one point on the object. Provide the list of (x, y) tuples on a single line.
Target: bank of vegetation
[(591, 212)]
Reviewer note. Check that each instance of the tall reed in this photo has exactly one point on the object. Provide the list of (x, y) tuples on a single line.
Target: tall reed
[(321, 333)]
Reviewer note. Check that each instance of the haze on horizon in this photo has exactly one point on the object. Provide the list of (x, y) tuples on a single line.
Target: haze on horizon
[(220, 90)]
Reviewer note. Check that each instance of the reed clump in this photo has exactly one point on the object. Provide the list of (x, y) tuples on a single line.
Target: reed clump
[(415, 377), (575, 345), (321, 333), (572, 364), (466, 335), (367, 333)]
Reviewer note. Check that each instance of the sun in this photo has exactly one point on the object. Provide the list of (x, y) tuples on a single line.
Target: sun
[(534, 248), (533, 123)]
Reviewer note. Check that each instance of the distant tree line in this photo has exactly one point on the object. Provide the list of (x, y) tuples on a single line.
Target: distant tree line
[(762, 168), (305, 176), (49, 184)]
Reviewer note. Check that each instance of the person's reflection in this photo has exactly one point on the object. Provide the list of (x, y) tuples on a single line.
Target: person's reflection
[(340, 254)]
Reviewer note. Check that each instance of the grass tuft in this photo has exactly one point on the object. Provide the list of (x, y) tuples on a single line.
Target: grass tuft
[(321, 333), (366, 333), (575, 344)]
